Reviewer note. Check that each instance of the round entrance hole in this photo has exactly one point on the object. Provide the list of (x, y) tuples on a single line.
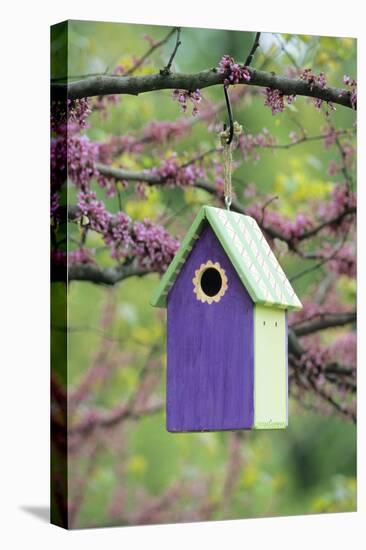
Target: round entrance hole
[(211, 281)]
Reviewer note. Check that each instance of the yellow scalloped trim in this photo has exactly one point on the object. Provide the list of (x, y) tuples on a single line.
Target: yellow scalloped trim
[(197, 289)]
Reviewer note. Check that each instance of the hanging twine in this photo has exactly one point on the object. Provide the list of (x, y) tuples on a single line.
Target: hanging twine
[(228, 160)]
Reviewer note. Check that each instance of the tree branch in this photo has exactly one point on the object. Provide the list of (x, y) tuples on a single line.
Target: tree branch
[(134, 85), (333, 221), (108, 419), (155, 179), (294, 346), (326, 321), (104, 276)]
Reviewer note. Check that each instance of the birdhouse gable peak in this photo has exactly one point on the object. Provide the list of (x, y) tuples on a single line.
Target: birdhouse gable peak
[(248, 251)]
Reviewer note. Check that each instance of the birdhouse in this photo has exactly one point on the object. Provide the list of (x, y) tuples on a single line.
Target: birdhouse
[(227, 300)]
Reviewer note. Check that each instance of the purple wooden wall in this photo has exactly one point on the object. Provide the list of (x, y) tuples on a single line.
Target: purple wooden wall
[(210, 350)]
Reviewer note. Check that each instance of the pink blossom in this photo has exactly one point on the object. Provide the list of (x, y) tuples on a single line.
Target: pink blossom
[(291, 231), (148, 243), (274, 100), (81, 158), (69, 117), (352, 85), (117, 145), (318, 102), (102, 102), (151, 41), (55, 203), (80, 256), (95, 211), (250, 144), (329, 137), (58, 162), (234, 72), (162, 131), (344, 261), (314, 360), (344, 349), (174, 174), (119, 70), (182, 96), (333, 167), (313, 79), (342, 199)]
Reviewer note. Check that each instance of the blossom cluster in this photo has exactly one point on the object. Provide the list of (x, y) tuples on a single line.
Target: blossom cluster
[(315, 80), (351, 83), (117, 145), (314, 359), (330, 136), (234, 72), (70, 116), (55, 203), (290, 230), (163, 131), (172, 173), (343, 262), (58, 162), (275, 100), (150, 244), (334, 167), (183, 96), (80, 255), (249, 143), (343, 350), (75, 157), (342, 200), (71, 154), (102, 102), (156, 132), (81, 156)]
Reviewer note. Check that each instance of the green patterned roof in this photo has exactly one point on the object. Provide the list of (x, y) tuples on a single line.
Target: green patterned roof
[(248, 251)]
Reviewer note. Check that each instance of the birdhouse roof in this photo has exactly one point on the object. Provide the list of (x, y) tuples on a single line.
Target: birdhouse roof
[(248, 251)]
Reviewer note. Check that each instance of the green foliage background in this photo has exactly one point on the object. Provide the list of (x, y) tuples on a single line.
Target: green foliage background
[(311, 466)]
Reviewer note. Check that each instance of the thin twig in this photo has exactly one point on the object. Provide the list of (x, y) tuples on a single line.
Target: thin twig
[(166, 69), (303, 139), (201, 156), (253, 50), (285, 50), (319, 264), (154, 47), (267, 203), (130, 71)]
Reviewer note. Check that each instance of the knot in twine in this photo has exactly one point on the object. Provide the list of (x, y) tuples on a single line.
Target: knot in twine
[(228, 159)]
